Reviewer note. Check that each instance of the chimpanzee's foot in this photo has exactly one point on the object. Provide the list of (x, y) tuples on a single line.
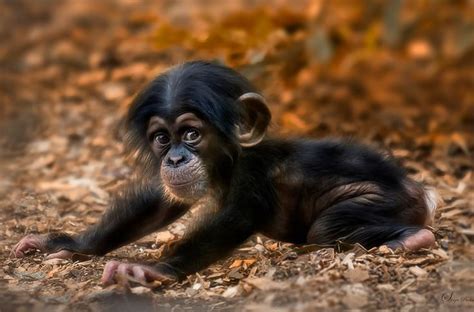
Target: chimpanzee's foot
[(123, 273), (421, 239)]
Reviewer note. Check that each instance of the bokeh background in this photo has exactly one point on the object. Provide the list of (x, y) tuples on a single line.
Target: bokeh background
[(395, 74)]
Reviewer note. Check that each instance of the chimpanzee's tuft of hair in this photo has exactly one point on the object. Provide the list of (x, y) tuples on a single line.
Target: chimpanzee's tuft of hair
[(206, 89)]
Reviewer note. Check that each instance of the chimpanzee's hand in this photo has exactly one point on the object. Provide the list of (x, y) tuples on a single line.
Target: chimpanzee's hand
[(123, 273), (31, 242)]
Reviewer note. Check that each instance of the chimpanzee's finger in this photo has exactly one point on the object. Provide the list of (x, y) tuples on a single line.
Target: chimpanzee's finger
[(139, 274), (26, 243), (109, 273)]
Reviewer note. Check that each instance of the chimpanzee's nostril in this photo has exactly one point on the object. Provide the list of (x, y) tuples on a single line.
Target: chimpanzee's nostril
[(175, 160)]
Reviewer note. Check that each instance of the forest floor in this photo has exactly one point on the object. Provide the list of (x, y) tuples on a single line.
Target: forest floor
[(68, 70)]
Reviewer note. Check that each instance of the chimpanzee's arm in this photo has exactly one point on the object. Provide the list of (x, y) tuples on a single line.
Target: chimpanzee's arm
[(212, 240), (137, 212)]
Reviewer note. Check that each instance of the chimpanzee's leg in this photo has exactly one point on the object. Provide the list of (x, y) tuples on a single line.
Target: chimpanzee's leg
[(356, 221)]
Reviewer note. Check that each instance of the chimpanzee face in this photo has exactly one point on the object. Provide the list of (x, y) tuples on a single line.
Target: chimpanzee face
[(179, 145)]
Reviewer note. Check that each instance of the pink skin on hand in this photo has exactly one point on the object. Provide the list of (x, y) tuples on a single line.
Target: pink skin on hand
[(123, 273), (27, 243), (31, 242)]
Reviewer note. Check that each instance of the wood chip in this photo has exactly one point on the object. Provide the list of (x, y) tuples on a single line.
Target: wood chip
[(417, 271)]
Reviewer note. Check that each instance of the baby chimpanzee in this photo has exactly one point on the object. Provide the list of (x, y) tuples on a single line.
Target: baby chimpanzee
[(199, 131)]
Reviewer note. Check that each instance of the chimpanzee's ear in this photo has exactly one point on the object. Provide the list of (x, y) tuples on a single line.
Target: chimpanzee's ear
[(254, 119)]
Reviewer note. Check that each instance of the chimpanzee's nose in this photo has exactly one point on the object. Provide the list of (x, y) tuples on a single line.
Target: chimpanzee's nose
[(175, 160)]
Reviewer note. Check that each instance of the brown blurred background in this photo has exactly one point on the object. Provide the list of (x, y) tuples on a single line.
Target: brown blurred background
[(328, 67)]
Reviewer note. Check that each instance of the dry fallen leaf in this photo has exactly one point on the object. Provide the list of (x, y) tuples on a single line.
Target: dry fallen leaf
[(237, 263), (163, 237), (264, 283), (356, 275)]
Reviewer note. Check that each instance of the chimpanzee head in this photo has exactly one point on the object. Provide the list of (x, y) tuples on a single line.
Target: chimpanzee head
[(191, 123)]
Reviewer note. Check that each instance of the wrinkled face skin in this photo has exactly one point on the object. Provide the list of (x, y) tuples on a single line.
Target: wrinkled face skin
[(178, 145)]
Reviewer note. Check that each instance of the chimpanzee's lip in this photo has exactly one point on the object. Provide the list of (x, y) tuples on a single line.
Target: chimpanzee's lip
[(171, 184)]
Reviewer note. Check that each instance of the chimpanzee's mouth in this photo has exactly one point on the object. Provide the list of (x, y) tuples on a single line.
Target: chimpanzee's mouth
[(187, 190), (185, 176), (183, 184)]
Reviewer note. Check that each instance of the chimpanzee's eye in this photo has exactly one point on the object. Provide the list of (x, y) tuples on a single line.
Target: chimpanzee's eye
[(161, 138), (191, 135)]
